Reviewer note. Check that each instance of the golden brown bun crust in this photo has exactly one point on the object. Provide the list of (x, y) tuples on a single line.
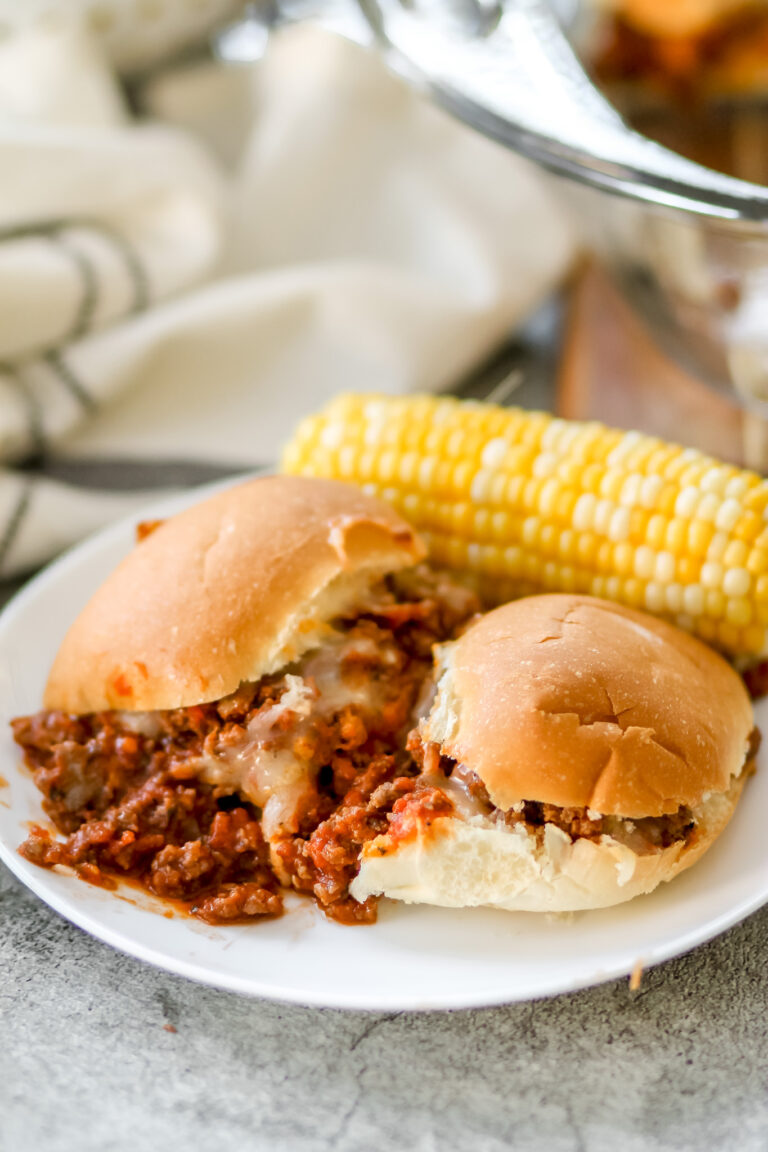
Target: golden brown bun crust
[(225, 592), (579, 702)]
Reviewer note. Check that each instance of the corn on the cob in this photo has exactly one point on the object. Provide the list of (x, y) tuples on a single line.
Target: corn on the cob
[(529, 503)]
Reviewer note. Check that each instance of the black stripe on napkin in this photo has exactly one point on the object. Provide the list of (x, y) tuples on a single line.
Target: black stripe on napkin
[(131, 261), (130, 475), (63, 372), (89, 285), (133, 265), (37, 443), (12, 526)]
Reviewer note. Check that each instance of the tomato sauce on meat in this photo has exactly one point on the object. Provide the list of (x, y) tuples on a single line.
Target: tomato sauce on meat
[(166, 799)]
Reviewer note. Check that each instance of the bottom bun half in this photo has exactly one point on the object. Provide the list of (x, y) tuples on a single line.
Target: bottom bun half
[(455, 863)]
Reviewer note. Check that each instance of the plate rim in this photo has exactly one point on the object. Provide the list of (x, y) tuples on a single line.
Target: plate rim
[(67, 906)]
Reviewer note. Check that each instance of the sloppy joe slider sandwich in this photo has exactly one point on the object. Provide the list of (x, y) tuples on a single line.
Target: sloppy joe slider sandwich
[(234, 691), (576, 754)]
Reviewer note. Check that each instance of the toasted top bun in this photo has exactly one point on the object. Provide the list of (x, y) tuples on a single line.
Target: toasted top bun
[(579, 702), (228, 591)]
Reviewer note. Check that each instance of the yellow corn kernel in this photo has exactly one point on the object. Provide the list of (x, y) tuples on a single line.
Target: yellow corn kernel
[(738, 612), (748, 527), (736, 554), (634, 592), (714, 603), (753, 639), (613, 588), (567, 543), (610, 484), (596, 586), (687, 569), (548, 498), (527, 501), (638, 519), (565, 505), (706, 629), (757, 561), (700, 537), (604, 557), (728, 636), (624, 559), (586, 548), (677, 536), (591, 477), (665, 504), (656, 531)]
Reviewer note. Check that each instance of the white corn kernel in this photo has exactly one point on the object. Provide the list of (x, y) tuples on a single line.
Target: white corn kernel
[(674, 597), (630, 493), (481, 483), (583, 512), (738, 612), (603, 513), (714, 480), (654, 597), (712, 574), (665, 567), (544, 465), (717, 546), (693, 599), (650, 490), (645, 562), (618, 529), (737, 487), (728, 515), (494, 452), (736, 582), (708, 508), (687, 502)]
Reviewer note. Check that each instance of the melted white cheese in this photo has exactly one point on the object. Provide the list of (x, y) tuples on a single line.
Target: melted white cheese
[(263, 766), (145, 723)]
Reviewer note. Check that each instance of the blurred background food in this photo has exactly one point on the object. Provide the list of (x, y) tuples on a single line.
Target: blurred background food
[(133, 34), (217, 216), (692, 74)]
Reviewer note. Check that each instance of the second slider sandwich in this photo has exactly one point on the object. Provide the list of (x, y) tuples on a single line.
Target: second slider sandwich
[(577, 753)]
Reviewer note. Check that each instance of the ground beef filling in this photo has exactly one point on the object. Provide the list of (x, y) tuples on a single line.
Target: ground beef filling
[(649, 833), (129, 793), (470, 798), (327, 861)]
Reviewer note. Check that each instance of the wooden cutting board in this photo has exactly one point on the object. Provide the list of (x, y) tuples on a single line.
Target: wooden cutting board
[(612, 371)]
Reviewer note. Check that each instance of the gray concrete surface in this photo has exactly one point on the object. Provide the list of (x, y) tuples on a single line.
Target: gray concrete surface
[(88, 1060)]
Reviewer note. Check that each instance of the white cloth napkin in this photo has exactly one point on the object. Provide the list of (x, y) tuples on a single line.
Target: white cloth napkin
[(186, 290)]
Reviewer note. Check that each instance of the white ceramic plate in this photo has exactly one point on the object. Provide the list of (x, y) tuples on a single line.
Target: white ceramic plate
[(414, 957)]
